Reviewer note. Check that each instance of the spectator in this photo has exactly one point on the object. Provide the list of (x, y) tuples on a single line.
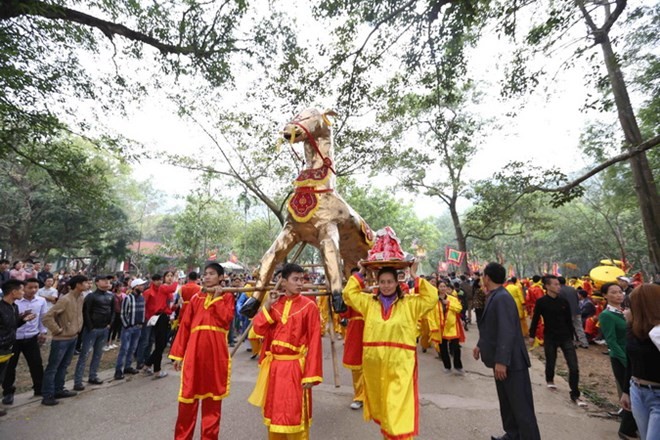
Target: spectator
[(132, 319), (626, 286), (642, 390), (10, 320), (161, 305), (586, 306), (4, 271), (558, 333), (570, 294), (48, 293), (466, 286), (147, 335), (613, 325), (115, 326), (18, 272), (64, 320), (501, 347), (44, 275), (28, 339), (97, 316)]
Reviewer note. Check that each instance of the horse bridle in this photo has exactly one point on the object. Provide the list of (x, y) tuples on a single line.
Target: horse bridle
[(327, 162)]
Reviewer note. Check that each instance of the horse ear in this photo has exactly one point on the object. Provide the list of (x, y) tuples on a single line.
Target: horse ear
[(325, 114)]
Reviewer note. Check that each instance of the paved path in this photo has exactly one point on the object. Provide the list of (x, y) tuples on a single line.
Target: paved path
[(452, 407)]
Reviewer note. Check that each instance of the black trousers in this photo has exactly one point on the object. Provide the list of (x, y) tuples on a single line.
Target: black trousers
[(628, 425), (161, 332), (517, 406), (115, 328), (568, 348), (453, 348), (478, 313), (30, 349)]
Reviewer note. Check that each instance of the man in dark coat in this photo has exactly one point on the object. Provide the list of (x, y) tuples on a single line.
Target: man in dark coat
[(501, 347)]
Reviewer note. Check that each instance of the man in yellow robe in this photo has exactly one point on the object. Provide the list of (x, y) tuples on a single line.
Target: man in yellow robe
[(516, 292)]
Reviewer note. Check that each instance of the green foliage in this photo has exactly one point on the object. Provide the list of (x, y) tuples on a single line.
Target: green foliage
[(208, 222), (380, 208), (39, 217)]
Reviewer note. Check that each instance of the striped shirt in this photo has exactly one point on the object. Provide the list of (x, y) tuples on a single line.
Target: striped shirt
[(132, 310)]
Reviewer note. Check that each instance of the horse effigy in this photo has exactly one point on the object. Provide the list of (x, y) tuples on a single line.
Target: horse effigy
[(317, 214)]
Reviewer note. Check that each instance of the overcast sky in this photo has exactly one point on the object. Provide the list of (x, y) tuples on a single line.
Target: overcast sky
[(546, 131)]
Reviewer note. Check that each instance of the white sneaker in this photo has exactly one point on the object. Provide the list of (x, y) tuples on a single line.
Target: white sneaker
[(106, 348), (113, 346), (460, 372), (446, 370), (356, 404), (161, 374), (581, 403), (148, 371)]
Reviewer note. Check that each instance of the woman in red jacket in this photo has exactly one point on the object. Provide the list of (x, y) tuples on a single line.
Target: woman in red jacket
[(200, 350)]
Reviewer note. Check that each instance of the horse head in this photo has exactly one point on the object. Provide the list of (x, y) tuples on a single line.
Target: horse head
[(312, 127)]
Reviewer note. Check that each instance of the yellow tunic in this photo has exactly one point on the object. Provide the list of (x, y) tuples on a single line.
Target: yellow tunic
[(389, 358), (449, 325), (519, 298)]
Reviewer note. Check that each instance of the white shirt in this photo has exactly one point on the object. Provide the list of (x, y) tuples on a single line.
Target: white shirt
[(36, 326), (48, 293)]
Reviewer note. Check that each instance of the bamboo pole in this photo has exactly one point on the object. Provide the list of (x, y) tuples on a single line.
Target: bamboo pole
[(333, 349), (241, 339)]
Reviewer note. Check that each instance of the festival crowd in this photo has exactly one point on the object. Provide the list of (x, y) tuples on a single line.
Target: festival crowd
[(383, 316)]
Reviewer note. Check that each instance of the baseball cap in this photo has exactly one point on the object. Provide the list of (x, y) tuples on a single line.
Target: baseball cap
[(137, 282), (626, 279)]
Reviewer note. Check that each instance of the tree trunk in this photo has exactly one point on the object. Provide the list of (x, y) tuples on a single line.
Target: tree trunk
[(644, 183), (460, 236)]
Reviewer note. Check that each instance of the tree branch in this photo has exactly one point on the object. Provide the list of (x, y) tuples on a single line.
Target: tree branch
[(647, 145), (18, 8)]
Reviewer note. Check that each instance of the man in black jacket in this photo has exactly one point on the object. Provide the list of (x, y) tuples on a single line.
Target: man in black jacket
[(501, 347), (10, 320), (558, 332), (97, 316)]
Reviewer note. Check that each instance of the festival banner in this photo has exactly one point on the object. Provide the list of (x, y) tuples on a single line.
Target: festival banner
[(443, 266), (454, 256), (512, 271), (555, 269), (213, 255), (233, 257)]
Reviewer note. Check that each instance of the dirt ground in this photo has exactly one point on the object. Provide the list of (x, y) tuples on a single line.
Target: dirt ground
[(596, 378), (24, 381)]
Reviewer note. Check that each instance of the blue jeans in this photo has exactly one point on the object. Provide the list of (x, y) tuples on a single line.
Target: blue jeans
[(61, 353), (144, 346), (94, 338), (129, 340), (646, 410)]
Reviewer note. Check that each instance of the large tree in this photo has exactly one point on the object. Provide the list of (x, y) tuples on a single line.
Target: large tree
[(66, 64), (553, 29), (39, 218)]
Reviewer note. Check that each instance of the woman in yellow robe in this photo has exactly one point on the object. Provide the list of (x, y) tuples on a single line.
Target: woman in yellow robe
[(389, 359)]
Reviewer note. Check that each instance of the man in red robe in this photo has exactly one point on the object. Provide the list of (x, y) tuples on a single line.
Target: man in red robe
[(200, 350), (291, 360)]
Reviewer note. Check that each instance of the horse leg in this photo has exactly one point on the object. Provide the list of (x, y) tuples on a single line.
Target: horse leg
[(329, 247), (280, 248)]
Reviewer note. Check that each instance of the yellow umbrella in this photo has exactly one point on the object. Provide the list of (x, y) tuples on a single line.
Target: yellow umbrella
[(610, 262), (605, 274)]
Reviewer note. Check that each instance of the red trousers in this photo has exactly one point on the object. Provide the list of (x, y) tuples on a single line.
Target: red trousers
[(185, 422)]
